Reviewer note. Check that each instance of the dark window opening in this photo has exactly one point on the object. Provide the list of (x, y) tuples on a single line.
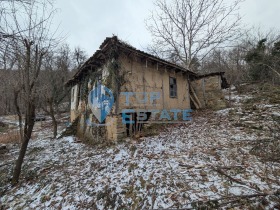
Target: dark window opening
[(172, 87), (133, 128)]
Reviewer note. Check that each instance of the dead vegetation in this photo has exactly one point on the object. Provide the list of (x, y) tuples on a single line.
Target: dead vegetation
[(10, 137), (209, 163), (269, 149), (262, 92), (260, 114)]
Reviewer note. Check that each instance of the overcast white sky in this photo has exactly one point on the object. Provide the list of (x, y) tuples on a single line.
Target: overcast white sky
[(86, 23)]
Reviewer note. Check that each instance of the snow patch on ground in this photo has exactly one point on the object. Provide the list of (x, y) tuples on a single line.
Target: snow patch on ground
[(209, 159)]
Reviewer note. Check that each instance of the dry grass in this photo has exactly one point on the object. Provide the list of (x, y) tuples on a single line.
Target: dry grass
[(10, 137), (262, 93)]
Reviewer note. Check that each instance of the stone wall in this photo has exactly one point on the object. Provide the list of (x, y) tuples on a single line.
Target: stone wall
[(116, 130), (209, 92), (90, 131)]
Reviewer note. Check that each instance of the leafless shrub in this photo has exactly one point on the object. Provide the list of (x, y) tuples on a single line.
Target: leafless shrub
[(10, 137)]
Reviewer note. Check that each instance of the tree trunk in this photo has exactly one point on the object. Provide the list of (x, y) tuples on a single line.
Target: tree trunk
[(28, 128), (54, 127), (51, 113), (16, 92), (54, 122)]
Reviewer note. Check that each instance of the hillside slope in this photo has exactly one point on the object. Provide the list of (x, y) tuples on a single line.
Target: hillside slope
[(225, 158)]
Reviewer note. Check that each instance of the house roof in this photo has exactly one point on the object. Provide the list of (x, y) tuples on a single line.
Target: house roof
[(199, 76), (98, 58)]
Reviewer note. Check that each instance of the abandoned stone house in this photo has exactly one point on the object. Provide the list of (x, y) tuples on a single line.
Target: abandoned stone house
[(138, 81)]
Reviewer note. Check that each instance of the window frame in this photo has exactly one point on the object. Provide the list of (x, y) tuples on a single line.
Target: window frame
[(173, 91)]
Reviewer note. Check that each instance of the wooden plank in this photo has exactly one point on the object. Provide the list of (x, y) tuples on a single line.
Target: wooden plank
[(195, 96), (195, 104)]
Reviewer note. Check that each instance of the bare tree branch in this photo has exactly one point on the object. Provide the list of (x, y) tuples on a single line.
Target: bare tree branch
[(189, 29)]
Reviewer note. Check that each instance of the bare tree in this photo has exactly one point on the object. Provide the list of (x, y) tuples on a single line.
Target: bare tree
[(52, 89), (187, 30), (5, 11), (257, 33), (30, 44), (230, 60), (79, 56)]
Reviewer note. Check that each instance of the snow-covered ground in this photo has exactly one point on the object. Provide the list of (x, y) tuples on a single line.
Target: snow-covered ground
[(207, 162)]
